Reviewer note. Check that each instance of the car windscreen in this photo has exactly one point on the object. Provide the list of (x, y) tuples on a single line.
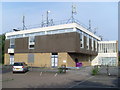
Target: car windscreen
[(18, 64)]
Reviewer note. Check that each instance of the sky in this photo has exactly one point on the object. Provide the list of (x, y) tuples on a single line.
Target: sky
[(103, 15)]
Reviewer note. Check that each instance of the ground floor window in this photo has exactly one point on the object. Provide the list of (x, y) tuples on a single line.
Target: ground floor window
[(31, 58), (111, 61), (11, 59), (54, 59)]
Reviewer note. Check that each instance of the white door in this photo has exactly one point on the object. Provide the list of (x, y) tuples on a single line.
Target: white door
[(56, 62), (11, 59), (52, 62)]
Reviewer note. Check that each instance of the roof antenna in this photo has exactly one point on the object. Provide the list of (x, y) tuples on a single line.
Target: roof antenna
[(24, 27), (73, 11), (42, 21), (89, 25), (95, 30), (47, 18)]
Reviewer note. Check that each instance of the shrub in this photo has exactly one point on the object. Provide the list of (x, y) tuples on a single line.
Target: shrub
[(61, 70), (95, 71)]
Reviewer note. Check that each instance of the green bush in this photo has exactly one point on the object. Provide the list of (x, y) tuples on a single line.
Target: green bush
[(95, 71), (61, 70)]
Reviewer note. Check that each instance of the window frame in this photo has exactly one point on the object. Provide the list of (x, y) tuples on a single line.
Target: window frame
[(31, 43), (12, 43)]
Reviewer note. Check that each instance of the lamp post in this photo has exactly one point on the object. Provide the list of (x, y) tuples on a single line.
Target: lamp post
[(47, 18)]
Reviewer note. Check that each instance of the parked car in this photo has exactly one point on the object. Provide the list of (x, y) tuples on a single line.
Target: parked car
[(20, 67)]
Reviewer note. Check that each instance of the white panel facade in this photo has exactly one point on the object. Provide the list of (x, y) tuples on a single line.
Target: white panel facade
[(107, 54)]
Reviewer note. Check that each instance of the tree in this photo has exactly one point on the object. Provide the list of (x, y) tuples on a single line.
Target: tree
[(119, 58), (2, 43)]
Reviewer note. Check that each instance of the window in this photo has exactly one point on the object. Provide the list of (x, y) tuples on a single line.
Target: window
[(92, 43), (96, 45), (69, 30), (81, 40), (15, 36), (31, 42), (49, 32), (31, 58), (87, 41), (12, 43), (54, 59), (11, 59), (111, 61), (35, 34), (61, 31)]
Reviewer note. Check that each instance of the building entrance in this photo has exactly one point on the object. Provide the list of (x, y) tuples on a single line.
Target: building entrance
[(54, 60)]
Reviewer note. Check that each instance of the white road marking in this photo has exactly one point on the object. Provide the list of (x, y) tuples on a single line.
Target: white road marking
[(40, 73), (55, 75)]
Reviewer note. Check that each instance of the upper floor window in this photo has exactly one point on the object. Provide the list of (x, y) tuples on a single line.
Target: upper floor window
[(12, 43), (87, 41), (92, 43), (107, 48), (82, 40), (96, 45), (31, 42)]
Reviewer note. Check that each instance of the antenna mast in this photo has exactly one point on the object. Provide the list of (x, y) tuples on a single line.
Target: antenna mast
[(42, 21), (23, 22), (73, 11), (89, 25)]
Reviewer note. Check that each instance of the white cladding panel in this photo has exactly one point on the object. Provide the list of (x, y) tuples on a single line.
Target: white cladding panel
[(64, 26)]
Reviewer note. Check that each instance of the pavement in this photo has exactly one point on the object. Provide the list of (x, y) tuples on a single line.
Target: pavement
[(33, 79), (41, 78), (98, 82)]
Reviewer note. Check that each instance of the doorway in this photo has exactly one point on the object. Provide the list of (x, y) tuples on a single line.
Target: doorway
[(54, 60), (76, 61)]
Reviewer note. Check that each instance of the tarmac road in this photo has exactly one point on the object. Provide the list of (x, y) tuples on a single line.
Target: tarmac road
[(72, 79)]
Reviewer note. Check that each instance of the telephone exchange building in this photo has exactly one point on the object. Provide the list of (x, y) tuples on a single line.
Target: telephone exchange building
[(52, 46)]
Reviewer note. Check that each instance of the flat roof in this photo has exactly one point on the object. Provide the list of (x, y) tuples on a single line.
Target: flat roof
[(50, 28)]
